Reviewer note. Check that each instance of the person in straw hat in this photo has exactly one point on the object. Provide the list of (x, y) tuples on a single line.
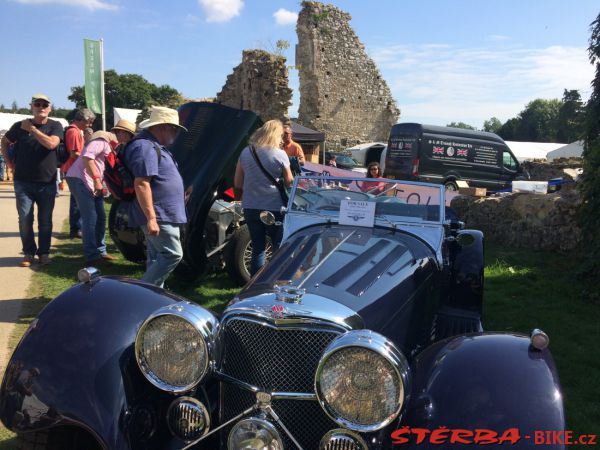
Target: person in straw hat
[(124, 130), (159, 208), (85, 183)]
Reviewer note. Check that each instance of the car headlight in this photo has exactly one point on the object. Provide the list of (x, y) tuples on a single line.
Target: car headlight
[(362, 380), (173, 346)]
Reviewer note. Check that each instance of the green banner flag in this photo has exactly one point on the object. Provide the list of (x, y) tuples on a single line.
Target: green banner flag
[(93, 86)]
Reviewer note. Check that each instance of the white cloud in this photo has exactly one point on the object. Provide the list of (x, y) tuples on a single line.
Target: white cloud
[(284, 17), (442, 84), (221, 10), (92, 5)]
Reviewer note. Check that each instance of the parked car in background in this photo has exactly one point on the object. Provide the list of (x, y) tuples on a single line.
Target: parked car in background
[(446, 155), (366, 324), (346, 162), (369, 152)]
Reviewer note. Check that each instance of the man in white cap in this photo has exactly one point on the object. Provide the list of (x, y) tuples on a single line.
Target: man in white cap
[(159, 208), (34, 168)]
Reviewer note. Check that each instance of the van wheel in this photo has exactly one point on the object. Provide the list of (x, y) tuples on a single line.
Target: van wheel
[(451, 185)]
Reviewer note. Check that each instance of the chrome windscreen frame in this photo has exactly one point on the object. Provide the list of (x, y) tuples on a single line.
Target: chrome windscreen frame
[(203, 321), (379, 344)]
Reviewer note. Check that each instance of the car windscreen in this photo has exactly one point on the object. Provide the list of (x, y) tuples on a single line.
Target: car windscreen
[(387, 200)]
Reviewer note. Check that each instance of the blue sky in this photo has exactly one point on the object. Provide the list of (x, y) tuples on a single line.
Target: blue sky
[(444, 60)]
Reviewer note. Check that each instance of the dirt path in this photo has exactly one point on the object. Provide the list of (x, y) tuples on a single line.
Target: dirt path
[(15, 280)]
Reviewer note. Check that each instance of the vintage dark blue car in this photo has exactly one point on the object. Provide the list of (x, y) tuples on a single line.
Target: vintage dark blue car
[(364, 329)]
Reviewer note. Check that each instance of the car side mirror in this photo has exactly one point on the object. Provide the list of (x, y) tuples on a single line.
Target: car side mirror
[(268, 218)]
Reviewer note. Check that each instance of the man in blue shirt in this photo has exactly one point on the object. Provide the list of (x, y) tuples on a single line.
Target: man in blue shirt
[(159, 208)]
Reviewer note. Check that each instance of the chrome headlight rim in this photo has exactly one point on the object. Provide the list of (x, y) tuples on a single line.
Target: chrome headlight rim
[(380, 345), (259, 421), (175, 403), (202, 320)]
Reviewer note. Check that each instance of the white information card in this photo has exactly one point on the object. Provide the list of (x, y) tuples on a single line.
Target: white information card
[(357, 213)]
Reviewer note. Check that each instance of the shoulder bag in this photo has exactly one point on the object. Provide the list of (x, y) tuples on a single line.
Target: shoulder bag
[(277, 182)]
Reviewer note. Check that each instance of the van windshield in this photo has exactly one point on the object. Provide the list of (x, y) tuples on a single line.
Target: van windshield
[(509, 161)]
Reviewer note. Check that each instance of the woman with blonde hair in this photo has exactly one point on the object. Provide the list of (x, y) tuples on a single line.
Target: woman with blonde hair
[(258, 170)]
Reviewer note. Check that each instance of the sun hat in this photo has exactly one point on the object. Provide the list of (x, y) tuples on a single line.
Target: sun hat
[(35, 97), (124, 125), (162, 115), (106, 135)]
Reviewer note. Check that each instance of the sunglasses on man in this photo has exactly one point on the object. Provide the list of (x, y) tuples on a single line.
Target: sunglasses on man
[(41, 104)]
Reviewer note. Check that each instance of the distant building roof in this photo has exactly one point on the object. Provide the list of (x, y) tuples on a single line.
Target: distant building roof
[(573, 150)]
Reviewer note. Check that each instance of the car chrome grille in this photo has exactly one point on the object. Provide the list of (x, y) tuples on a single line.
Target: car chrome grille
[(276, 360), (273, 359), (305, 419)]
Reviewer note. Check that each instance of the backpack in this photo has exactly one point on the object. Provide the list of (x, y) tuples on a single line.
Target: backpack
[(62, 154), (117, 177)]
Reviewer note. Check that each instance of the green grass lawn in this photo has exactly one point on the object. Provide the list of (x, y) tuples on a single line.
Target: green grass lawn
[(523, 290)]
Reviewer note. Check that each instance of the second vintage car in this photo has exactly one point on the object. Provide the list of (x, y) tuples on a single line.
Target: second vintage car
[(364, 327)]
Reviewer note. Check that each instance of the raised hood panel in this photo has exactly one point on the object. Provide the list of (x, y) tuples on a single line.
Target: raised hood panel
[(206, 156), (356, 267)]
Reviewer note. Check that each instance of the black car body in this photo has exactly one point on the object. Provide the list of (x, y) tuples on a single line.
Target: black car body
[(446, 155), (365, 325)]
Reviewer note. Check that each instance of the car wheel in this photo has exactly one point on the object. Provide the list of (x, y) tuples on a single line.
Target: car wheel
[(60, 438), (451, 185), (239, 255)]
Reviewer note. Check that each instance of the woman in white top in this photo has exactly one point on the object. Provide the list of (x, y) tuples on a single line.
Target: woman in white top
[(256, 189)]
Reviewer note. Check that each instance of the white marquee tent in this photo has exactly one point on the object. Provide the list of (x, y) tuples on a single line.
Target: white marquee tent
[(8, 119), (527, 151), (573, 150), (127, 114)]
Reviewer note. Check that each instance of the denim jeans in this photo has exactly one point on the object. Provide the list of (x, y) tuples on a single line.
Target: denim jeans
[(2, 168), (258, 233), (74, 215), (93, 218), (43, 195), (163, 253)]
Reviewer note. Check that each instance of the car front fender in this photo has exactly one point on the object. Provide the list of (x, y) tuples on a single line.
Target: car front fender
[(486, 382), (76, 365)]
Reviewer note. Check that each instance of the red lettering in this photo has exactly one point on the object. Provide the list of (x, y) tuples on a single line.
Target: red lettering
[(568, 437), (484, 436), (538, 437), (439, 436), (398, 435), (421, 434), (511, 435), (591, 439), (459, 436), (557, 437)]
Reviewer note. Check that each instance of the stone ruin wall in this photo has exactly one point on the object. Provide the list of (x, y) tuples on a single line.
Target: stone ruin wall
[(259, 84), (533, 221), (341, 90)]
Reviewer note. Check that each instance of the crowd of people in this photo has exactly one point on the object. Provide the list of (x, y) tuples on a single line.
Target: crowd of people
[(261, 176), (28, 149)]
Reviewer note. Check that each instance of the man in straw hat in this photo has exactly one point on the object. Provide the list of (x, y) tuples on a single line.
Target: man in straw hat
[(35, 142), (159, 208)]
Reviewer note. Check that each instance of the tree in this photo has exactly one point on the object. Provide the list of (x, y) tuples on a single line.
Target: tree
[(590, 185), (129, 91), (492, 125), (14, 106), (536, 123), (466, 126), (571, 117)]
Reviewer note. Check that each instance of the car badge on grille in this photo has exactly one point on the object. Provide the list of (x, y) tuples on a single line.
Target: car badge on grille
[(277, 311)]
